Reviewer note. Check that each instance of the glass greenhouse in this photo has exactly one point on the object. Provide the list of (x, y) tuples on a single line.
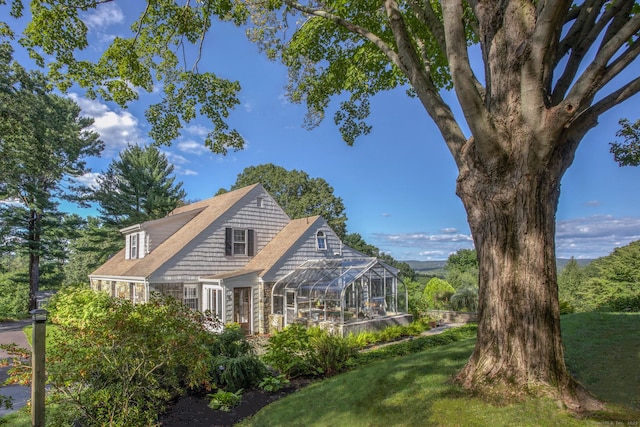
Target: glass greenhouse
[(338, 292)]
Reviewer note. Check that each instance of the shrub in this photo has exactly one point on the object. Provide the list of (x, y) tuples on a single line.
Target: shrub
[(234, 364), (566, 307), (14, 295), (110, 362), (224, 400), (437, 292), (289, 351), (465, 299), (273, 383), (330, 353), (300, 352), (391, 333)]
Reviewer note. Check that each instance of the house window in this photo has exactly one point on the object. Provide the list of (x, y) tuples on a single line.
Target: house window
[(239, 241), (259, 202), (133, 246), (321, 241), (212, 300), (190, 296)]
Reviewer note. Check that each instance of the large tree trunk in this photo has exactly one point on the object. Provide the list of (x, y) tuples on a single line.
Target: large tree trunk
[(511, 209)]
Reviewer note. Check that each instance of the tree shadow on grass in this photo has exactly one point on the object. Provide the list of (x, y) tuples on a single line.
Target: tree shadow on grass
[(601, 352)]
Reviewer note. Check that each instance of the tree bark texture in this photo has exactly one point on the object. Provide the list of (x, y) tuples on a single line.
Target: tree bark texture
[(509, 182), (511, 207)]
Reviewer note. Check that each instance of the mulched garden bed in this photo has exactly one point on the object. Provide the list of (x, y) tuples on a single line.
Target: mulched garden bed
[(193, 410)]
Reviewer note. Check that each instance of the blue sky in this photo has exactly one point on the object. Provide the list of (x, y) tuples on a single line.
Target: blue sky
[(397, 183)]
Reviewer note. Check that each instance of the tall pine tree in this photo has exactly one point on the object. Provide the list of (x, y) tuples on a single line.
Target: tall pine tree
[(138, 187), (43, 144)]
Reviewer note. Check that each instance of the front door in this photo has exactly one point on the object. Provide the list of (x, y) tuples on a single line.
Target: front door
[(242, 308)]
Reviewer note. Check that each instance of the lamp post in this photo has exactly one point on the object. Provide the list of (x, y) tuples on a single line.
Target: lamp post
[(39, 317)]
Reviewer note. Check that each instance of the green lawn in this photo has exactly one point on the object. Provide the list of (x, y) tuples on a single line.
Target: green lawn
[(602, 351), (415, 390)]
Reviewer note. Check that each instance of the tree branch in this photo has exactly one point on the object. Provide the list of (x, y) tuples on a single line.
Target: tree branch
[(538, 68), (581, 37), (407, 61), (620, 63), (584, 16), (590, 82), (464, 79), (373, 38), (430, 20), (590, 116), (421, 81)]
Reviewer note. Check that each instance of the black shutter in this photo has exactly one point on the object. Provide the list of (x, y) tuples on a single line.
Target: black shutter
[(250, 244), (228, 241)]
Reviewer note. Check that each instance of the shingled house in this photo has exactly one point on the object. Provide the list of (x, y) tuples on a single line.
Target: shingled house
[(240, 256)]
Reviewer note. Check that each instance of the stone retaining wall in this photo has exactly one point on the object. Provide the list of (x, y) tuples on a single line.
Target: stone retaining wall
[(450, 316)]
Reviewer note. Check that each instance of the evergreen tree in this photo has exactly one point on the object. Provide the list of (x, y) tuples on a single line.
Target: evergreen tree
[(43, 144), (138, 187), (94, 245)]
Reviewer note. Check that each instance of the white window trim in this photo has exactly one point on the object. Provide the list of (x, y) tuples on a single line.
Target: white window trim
[(187, 298), (321, 236), (244, 242), (219, 290), (133, 250)]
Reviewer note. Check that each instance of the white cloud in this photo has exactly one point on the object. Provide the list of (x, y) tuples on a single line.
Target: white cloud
[(192, 147), (116, 128), (423, 245), (595, 236), (175, 159), (583, 238), (89, 179), (103, 16), (197, 130), (178, 161)]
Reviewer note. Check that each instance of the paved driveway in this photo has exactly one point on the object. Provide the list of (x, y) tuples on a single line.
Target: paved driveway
[(11, 332)]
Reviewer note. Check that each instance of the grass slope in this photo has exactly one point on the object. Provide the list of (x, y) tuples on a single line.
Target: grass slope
[(415, 390), (602, 351)]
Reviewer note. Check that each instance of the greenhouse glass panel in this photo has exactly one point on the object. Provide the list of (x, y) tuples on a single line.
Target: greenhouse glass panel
[(337, 291)]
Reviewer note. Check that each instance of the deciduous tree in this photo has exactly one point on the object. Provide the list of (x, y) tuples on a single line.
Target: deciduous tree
[(297, 193), (627, 153)]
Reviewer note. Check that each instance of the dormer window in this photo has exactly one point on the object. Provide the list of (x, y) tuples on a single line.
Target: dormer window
[(133, 246), (321, 241)]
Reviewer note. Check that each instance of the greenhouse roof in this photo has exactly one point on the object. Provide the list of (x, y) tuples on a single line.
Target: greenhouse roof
[(328, 276)]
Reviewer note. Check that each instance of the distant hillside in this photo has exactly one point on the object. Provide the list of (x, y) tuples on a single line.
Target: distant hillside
[(426, 266), (561, 262), (434, 266)]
